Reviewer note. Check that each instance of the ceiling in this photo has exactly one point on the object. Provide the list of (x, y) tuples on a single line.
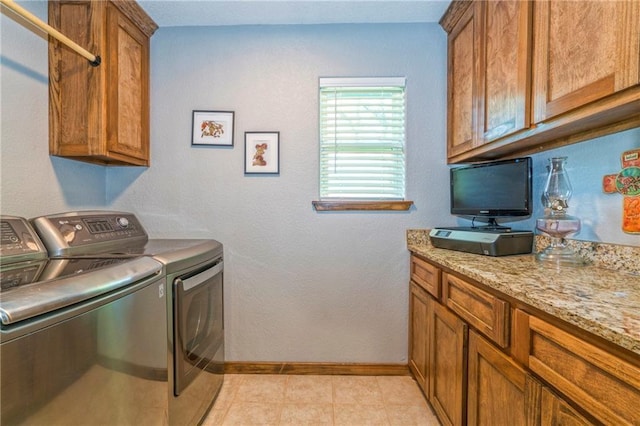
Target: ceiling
[(175, 13)]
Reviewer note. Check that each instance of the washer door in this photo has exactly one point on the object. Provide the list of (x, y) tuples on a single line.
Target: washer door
[(198, 327)]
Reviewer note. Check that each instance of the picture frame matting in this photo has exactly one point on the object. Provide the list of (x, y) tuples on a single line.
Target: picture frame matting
[(262, 153), (212, 128)]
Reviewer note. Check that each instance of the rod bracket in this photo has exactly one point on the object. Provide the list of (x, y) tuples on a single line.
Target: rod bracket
[(96, 62)]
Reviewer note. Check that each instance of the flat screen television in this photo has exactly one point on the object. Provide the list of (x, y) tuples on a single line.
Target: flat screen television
[(495, 189)]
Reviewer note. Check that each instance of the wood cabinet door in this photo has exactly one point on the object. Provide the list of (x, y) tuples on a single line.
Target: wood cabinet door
[(505, 68), (128, 89), (556, 411), (583, 52), (462, 82), (74, 98), (500, 392), (418, 332), (447, 364)]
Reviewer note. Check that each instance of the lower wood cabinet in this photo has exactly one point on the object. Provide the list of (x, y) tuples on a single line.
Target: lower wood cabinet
[(545, 374), (426, 276), (500, 391), (417, 336), (447, 364), (482, 310), (600, 383), (556, 411)]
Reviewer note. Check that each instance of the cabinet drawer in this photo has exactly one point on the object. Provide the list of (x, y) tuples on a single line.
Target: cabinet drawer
[(483, 311), (602, 384), (426, 276)]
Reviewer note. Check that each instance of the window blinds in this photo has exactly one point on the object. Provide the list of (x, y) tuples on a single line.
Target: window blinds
[(362, 138)]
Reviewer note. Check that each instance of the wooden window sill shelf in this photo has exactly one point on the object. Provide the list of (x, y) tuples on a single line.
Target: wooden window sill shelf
[(361, 205)]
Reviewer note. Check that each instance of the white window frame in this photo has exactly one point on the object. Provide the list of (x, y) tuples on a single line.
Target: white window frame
[(324, 143)]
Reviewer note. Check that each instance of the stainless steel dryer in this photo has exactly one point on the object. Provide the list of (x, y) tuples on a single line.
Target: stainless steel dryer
[(194, 275)]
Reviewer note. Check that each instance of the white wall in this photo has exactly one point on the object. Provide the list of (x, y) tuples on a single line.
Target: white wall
[(301, 286), (32, 183)]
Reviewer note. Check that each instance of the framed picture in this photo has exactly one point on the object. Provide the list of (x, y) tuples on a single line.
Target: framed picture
[(213, 128), (262, 152)]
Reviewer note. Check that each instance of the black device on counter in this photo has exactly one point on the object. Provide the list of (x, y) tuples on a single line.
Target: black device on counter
[(487, 191), (487, 242), (495, 189)]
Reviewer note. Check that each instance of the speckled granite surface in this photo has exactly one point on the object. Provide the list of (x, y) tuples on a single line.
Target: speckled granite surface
[(605, 302)]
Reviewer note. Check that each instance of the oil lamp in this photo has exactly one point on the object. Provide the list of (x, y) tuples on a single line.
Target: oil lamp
[(556, 223)]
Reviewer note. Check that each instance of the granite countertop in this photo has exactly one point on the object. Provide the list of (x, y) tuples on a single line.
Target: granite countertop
[(602, 301)]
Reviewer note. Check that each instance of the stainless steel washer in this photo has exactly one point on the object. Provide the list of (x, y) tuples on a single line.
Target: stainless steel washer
[(79, 340)]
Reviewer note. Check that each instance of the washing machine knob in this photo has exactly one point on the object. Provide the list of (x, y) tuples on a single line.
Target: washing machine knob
[(123, 221), (68, 233)]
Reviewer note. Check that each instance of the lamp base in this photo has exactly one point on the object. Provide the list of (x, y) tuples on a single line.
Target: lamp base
[(559, 255), (558, 227)]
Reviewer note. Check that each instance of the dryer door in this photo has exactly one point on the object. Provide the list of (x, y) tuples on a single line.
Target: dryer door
[(198, 322)]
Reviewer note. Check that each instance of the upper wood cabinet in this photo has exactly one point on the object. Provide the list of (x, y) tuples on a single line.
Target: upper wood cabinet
[(584, 52), (545, 74), (100, 114), (504, 69), (462, 83)]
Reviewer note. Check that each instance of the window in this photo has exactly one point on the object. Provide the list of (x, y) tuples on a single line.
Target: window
[(362, 139)]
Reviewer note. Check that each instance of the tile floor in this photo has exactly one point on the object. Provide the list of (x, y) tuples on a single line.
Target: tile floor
[(265, 399)]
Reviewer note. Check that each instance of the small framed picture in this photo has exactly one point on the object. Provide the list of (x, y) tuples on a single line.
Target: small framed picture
[(213, 128), (262, 152)]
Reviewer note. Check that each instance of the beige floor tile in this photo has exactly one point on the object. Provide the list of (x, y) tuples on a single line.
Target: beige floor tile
[(411, 415), (306, 414), (356, 390), (400, 390), (252, 413), (249, 400), (227, 394), (233, 381), (359, 415), (261, 388), (309, 389), (215, 417)]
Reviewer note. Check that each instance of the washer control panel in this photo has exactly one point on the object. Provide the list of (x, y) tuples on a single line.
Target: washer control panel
[(18, 241), (86, 232)]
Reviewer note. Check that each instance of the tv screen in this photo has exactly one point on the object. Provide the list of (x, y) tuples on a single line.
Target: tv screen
[(492, 189)]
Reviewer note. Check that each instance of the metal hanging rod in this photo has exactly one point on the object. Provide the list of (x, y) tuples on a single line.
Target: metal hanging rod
[(94, 60)]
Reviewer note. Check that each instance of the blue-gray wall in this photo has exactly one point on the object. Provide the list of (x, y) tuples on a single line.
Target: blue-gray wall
[(587, 163), (31, 182), (300, 285)]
